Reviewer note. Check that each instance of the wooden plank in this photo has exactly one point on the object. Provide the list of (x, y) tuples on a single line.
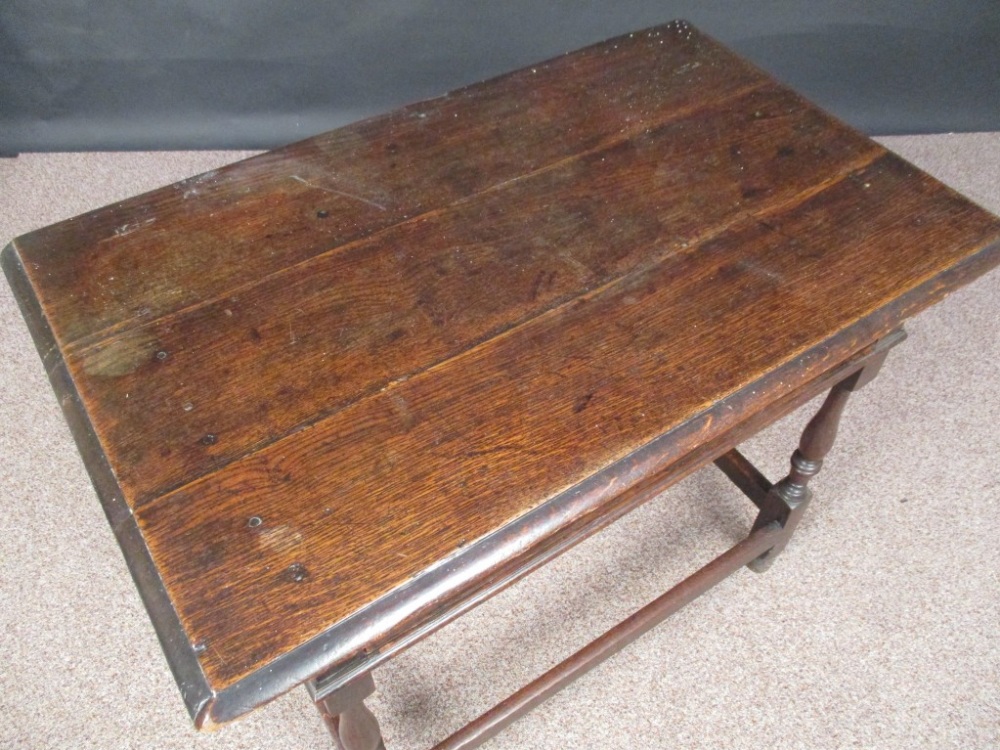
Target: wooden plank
[(435, 462), (382, 371), (120, 266), (186, 394)]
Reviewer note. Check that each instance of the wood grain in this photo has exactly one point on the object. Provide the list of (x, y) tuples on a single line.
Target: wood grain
[(313, 378), (194, 241), (228, 377), (432, 463)]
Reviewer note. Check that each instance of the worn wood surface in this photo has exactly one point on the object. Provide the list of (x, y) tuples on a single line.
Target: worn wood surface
[(320, 336), (312, 376)]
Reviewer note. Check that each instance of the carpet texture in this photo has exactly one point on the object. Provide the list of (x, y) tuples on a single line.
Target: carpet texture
[(877, 628)]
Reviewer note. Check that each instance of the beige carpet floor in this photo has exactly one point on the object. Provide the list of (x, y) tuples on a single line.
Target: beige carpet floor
[(878, 627)]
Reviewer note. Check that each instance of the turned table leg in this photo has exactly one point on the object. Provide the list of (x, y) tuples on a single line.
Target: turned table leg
[(351, 724), (787, 500)]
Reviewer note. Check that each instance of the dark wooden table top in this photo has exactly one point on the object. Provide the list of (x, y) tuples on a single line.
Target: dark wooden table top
[(326, 376)]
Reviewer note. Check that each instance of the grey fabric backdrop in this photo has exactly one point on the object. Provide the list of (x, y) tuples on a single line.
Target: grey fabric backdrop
[(106, 74)]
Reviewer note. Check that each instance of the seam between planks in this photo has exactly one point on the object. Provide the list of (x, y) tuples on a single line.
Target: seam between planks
[(849, 168), (81, 346)]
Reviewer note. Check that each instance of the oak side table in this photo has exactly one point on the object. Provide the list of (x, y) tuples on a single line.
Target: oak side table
[(333, 396)]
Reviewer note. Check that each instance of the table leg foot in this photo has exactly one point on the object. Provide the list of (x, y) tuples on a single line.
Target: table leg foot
[(786, 501), (351, 724)]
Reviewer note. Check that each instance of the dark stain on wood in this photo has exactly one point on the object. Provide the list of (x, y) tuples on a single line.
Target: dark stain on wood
[(451, 281), (484, 460), (309, 377)]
